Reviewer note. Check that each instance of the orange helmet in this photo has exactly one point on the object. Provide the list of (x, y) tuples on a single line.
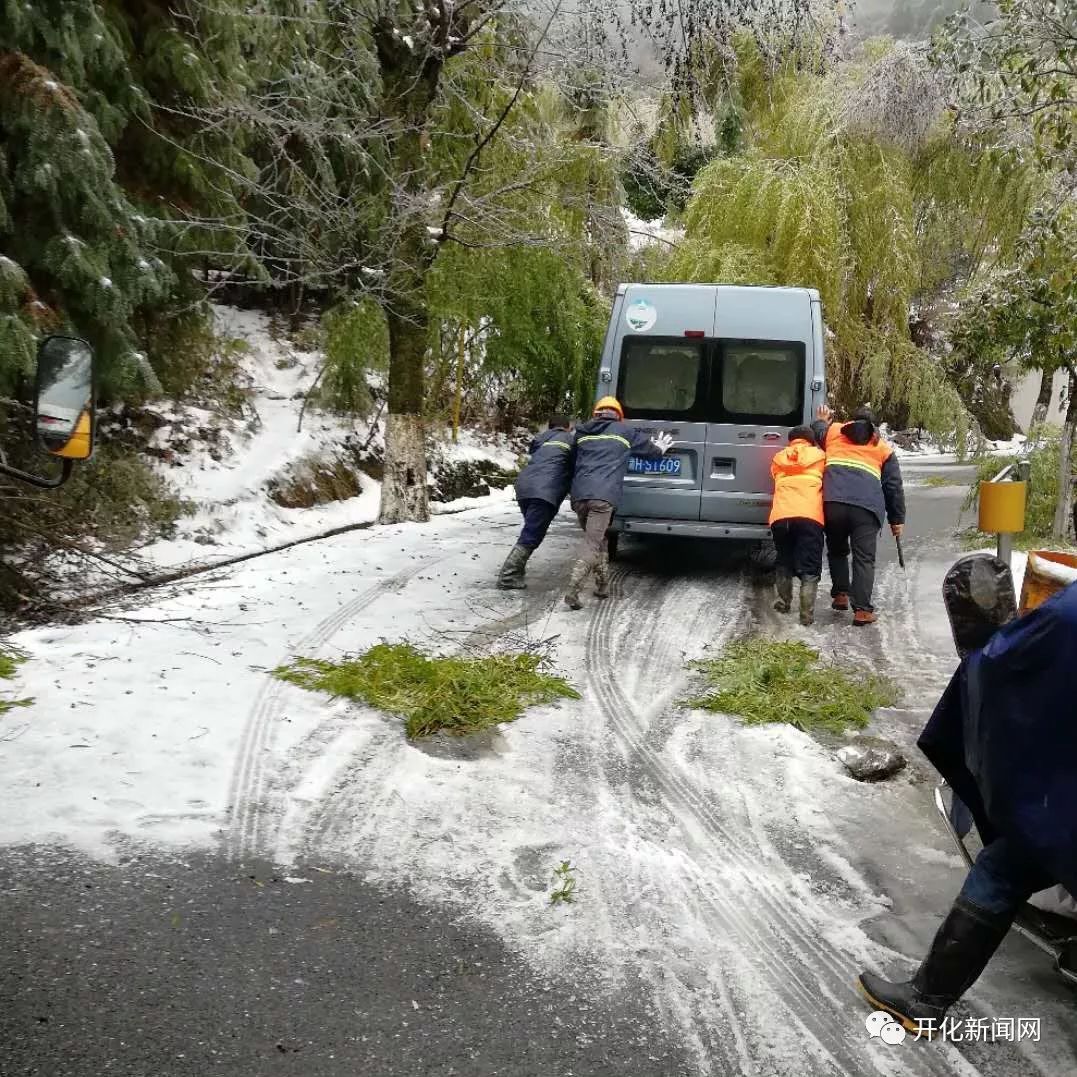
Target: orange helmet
[(609, 403)]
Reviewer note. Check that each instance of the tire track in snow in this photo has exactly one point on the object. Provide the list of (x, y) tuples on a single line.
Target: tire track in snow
[(775, 929), (692, 604), (630, 728), (247, 796)]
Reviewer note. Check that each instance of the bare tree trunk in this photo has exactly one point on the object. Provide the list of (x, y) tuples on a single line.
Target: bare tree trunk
[(409, 85), (403, 489), (1043, 401), (1064, 508), (458, 394)]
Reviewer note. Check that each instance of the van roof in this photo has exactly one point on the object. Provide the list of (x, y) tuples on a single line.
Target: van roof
[(812, 293)]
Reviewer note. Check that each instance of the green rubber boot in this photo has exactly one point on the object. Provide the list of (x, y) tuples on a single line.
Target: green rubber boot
[(511, 576)]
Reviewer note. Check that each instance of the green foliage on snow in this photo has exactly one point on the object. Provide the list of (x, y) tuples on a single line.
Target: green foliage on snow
[(765, 680), (10, 660), (535, 322), (434, 694), (356, 341), (564, 884)]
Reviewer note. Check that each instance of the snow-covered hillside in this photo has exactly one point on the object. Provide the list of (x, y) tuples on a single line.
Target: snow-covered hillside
[(228, 479)]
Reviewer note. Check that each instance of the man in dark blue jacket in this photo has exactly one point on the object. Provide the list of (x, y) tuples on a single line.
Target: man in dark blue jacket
[(603, 447), (541, 486)]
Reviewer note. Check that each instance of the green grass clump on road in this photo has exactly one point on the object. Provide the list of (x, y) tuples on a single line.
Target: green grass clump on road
[(766, 680), (434, 694)]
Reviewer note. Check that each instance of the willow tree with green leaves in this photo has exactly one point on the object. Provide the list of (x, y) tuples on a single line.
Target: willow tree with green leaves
[(856, 184)]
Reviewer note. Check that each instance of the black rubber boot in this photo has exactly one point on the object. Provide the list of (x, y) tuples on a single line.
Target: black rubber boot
[(963, 945), (783, 589), (511, 576)]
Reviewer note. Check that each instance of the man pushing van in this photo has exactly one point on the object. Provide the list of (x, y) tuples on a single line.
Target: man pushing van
[(796, 521), (540, 488), (603, 448), (862, 488)]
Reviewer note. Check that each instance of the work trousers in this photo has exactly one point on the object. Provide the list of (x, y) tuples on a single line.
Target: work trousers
[(595, 518), (538, 515), (799, 544), (1002, 879), (850, 527)]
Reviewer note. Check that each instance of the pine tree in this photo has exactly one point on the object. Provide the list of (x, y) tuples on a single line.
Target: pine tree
[(83, 257), (102, 179)]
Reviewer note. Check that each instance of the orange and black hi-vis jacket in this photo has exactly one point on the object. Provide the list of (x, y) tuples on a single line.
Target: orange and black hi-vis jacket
[(861, 469), (798, 482)]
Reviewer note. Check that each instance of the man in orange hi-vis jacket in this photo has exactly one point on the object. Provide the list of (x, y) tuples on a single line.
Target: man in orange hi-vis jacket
[(862, 488), (796, 520)]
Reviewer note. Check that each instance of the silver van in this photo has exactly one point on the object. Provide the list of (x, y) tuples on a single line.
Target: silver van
[(727, 371)]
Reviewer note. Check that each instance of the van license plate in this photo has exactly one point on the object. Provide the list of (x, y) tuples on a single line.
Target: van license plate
[(646, 465)]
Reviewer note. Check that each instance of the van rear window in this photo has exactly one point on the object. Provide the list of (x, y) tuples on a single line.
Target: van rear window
[(661, 378), (758, 383)]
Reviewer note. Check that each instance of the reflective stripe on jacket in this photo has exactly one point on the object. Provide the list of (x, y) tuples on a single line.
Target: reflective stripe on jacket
[(548, 474), (603, 447), (798, 483), (861, 469)]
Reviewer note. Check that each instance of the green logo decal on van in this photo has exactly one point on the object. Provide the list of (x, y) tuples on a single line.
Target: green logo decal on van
[(641, 316)]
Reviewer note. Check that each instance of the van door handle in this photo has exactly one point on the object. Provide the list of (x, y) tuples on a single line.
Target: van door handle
[(723, 467)]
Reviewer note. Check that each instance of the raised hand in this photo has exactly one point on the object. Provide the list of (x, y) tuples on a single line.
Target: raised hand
[(663, 441)]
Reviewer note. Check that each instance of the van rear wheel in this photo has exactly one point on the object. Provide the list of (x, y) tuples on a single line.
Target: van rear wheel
[(764, 556), (613, 540)]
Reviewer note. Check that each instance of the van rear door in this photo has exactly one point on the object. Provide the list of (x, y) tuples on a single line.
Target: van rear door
[(658, 367), (663, 386), (762, 367), (757, 390)]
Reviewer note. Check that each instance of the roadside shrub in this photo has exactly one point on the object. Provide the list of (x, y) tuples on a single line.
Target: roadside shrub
[(356, 340), (434, 694), (194, 364), (766, 680), (110, 504)]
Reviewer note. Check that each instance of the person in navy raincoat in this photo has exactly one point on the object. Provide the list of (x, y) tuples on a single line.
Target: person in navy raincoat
[(1004, 736), (541, 486)]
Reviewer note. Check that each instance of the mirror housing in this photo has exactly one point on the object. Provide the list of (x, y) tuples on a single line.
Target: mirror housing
[(64, 394), (64, 397)]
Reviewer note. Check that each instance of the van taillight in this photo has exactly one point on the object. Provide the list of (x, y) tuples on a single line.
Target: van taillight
[(694, 333)]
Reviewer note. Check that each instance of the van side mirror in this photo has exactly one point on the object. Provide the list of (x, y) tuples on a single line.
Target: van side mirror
[(64, 397), (63, 407)]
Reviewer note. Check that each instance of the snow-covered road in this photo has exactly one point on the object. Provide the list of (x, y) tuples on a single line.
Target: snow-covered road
[(737, 872)]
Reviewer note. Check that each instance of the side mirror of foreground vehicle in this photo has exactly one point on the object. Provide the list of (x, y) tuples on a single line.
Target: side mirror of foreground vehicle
[(63, 406), (63, 397)]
